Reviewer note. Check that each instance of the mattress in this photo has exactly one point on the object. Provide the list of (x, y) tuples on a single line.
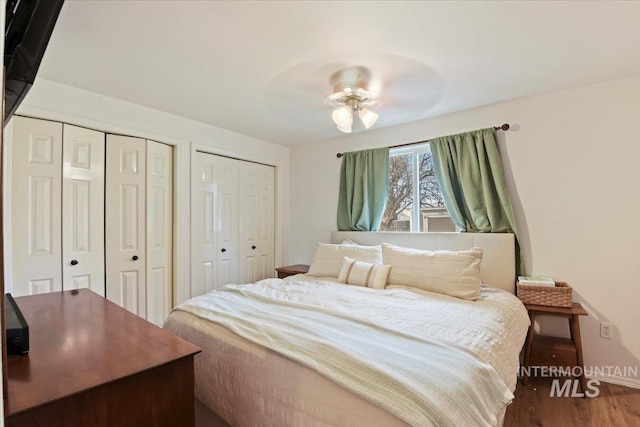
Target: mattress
[(247, 384)]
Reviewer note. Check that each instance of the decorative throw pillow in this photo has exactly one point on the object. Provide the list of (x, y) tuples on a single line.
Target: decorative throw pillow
[(328, 258), (362, 273), (454, 273)]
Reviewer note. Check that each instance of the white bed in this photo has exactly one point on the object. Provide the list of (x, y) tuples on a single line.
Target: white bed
[(245, 383)]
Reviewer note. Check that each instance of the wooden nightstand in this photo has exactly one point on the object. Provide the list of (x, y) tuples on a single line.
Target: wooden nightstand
[(291, 270), (543, 350)]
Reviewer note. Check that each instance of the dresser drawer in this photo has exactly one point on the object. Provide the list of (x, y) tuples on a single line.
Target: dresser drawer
[(553, 351)]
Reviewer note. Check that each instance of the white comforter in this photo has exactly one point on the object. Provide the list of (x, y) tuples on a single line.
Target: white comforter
[(429, 359)]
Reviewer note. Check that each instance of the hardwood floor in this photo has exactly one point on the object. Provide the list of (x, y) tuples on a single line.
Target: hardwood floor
[(616, 406)]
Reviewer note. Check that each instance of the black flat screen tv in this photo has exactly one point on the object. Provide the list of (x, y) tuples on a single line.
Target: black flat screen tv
[(28, 28)]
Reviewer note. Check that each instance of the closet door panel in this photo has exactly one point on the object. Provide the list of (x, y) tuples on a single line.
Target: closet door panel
[(159, 231), (248, 226), (266, 221), (203, 220), (83, 209), (36, 206), (125, 222), (227, 221)]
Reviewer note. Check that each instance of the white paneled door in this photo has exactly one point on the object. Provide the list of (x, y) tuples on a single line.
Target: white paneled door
[(248, 250), (83, 209), (125, 208), (36, 238), (266, 222), (159, 231), (256, 219), (232, 222), (90, 210), (227, 221), (204, 253)]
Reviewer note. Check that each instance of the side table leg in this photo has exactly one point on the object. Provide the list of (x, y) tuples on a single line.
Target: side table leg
[(527, 348), (574, 325)]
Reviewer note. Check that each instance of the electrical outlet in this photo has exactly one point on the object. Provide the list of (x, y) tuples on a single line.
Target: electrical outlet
[(606, 330)]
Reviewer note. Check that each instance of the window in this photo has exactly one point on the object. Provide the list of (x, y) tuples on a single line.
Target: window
[(408, 183)]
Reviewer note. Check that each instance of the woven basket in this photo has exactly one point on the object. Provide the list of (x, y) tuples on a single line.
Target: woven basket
[(555, 296)]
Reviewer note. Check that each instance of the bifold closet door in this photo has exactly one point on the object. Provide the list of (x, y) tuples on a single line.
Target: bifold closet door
[(214, 223), (256, 219), (227, 221), (83, 209), (36, 197), (249, 226), (64, 236), (232, 222), (266, 219), (204, 248), (159, 231), (57, 207), (125, 241)]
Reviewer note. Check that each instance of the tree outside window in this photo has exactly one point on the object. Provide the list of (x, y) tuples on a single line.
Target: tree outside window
[(401, 214)]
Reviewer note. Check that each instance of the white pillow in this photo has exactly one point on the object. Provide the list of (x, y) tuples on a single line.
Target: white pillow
[(348, 242), (454, 273), (362, 273), (328, 258)]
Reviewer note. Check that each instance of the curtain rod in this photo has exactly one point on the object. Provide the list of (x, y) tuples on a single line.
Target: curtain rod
[(503, 127)]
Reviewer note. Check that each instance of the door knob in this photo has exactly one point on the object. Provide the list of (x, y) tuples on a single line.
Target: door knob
[(253, 247), (134, 258), (223, 250), (74, 262)]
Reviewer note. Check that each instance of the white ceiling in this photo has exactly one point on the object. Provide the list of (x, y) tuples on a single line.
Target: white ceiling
[(218, 62)]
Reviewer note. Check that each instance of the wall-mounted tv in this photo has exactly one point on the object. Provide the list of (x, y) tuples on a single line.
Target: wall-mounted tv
[(28, 27)]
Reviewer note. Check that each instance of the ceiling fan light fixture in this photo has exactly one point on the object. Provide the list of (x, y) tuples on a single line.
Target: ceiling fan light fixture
[(350, 94), (345, 128), (368, 117), (343, 116)]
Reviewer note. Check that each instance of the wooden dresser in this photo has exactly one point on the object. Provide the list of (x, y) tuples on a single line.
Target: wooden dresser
[(93, 363)]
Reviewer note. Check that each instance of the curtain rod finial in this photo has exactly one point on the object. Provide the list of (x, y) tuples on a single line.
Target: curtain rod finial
[(339, 155), (504, 126)]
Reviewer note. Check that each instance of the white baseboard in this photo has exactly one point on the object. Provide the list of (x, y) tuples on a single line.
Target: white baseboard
[(624, 381)]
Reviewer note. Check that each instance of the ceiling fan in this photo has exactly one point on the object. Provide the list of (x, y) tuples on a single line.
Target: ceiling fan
[(355, 90), (350, 97)]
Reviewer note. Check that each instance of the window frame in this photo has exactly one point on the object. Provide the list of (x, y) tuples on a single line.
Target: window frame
[(416, 149)]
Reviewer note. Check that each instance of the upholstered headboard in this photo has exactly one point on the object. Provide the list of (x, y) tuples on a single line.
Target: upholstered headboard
[(498, 263)]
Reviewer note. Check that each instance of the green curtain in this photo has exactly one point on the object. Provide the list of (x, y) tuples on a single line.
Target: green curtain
[(364, 182), (469, 171)]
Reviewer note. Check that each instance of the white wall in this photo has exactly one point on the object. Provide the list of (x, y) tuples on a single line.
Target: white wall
[(55, 101), (572, 163)]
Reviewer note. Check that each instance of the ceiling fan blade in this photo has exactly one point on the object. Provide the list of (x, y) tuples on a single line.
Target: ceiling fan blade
[(373, 104)]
